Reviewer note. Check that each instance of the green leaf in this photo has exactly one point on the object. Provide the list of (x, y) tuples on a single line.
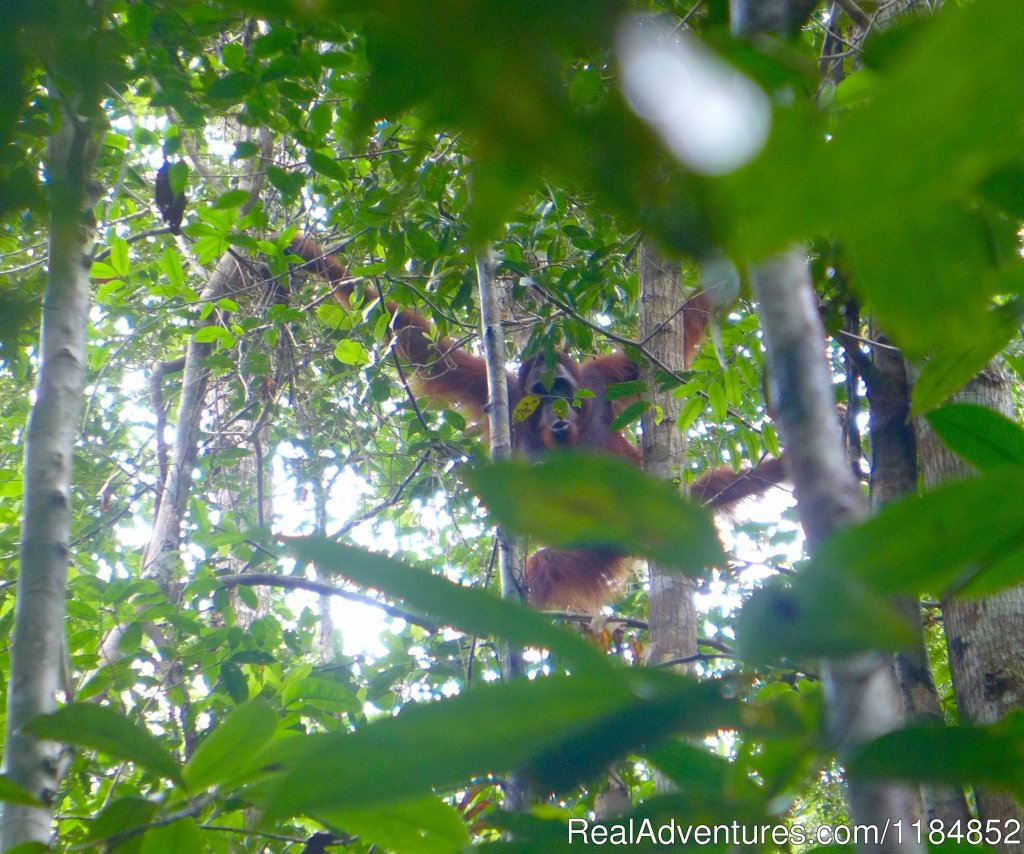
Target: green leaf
[(525, 408), (422, 243), (327, 166), (561, 728), (617, 391), (230, 199), (330, 694), (949, 369), (214, 334), (350, 352), (231, 88), (424, 826), (101, 728), (716, 399), (102, 270), (965, 537), (977, 755), (690, 412), (229, 747), (122, 815), (628, 415), (584, 87), (177, 174), (119, 255), (179, 837), (916, 255), (320, 119), (733, 392), (12, 793), (822, 614), (981, 436), (170, 267), (596, 501), (234, 681), (465, 608)]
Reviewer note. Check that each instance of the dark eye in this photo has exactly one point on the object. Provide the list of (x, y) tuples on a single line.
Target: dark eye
[(538, 389), (562, 388)]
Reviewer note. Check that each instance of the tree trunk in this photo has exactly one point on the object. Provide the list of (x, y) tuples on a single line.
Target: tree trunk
[(672, 613), (984, 637), (161, 558), (499, 419), (37, 647), (861, 698), (894, 475)]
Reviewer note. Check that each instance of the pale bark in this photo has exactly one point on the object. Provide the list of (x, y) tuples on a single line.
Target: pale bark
[(862, 702), (499, 420), (162, 556), (37, 646)]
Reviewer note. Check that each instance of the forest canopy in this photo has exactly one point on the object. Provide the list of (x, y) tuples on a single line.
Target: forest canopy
[(285, 284)]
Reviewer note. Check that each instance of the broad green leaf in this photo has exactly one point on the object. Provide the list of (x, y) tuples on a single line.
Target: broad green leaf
[(628, 415), (170, 266), (584, 87), (562, 728), (119, 255), (330, 694), (177, 174), (617, 391), (422, 243), (234, 681), (327, 166), (230, 199), (949, 369), (102, 270), (230, 746), (214, 334), (915, 253), (690, 412), (822, 614), (596, 501), (231, 88), (350, 352), (101, 728), (977, 755), (12, 793), (981, 436), (733, 392), (424, 826), (716, 400), (525, 408), (966, 536), (179, 837), (465, 608), (122, 815)]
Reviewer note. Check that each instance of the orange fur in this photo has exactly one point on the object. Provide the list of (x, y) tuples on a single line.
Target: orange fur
[(581, 579)]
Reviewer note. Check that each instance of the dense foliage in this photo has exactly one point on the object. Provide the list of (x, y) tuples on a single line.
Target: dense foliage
[(209, 712)]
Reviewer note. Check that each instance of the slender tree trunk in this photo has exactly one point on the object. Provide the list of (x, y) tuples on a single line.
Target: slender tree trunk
[(984, 637), (161, 558), (672, 613), (862, 702), (37, 647), (500, 424), (894, 475)]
